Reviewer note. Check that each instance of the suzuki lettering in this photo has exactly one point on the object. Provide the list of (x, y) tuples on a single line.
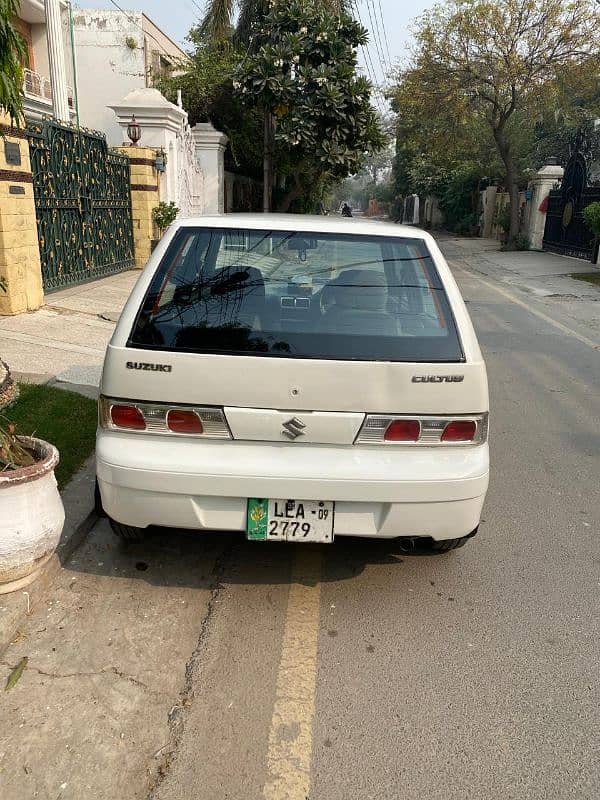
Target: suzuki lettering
[(151, 367)]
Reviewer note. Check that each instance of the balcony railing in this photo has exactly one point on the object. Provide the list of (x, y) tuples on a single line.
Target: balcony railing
[(39, 87)]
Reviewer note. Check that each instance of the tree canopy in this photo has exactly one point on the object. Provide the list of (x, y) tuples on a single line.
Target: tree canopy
[(481, 75), (301, 71)]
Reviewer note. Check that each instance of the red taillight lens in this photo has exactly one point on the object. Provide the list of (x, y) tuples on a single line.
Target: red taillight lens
[(180, 421), (460, 430), (128, 417), (403, 430)]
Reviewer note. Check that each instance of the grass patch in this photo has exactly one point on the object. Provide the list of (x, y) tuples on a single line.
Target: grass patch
[(65, 419), (588, 277)]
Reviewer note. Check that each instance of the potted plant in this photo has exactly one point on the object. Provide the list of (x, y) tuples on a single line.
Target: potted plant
[(163, 215), (31, 510), (591, 215)]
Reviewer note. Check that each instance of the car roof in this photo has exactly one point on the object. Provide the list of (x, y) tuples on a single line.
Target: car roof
[(304, 222)]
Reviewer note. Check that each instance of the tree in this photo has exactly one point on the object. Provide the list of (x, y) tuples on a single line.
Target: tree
[(12, 55), (218, 19), (206, 83), (301, 72), (492, 63)]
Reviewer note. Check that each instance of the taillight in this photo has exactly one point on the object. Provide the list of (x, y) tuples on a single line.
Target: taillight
[(181, 421), (403, 430), (128, 417), (205, 422), (423, 431), (460, 430)]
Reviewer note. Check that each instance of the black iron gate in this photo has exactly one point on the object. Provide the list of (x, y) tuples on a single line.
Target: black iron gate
[(566, 231), (83, 204)]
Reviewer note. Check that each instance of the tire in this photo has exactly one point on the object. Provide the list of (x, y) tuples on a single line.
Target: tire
[(128, 533), (100, 512), (431, 547)]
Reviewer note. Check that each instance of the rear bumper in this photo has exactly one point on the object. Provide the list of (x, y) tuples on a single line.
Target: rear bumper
[(379, 491)]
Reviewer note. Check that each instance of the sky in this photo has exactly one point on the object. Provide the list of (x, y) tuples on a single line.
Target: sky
[(176, 17)]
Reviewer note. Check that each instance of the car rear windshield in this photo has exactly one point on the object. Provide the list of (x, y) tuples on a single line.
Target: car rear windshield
[(291, 294)]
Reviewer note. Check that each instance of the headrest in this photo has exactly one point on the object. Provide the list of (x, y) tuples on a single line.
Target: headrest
[(360, 289)]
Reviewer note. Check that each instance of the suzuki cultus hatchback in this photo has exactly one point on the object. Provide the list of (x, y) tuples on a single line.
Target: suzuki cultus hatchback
[(297, 379)]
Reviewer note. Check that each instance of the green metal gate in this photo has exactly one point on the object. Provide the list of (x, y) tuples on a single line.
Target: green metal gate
[(83, 204)]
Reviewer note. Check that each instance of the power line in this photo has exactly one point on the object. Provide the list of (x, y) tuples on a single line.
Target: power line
[(369, 62), (377, 38), (145, 32), (385, 36)]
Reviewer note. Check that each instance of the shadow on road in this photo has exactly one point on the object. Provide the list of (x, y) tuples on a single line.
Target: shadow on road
[(168, 557)]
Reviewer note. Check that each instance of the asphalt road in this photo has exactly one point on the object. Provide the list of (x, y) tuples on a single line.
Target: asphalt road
[(208, 668)]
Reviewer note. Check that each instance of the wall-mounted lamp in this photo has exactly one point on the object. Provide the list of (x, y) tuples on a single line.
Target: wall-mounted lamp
[(134, 130), (160, 163)]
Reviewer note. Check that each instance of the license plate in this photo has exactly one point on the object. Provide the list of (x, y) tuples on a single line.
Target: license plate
[(290, 520)]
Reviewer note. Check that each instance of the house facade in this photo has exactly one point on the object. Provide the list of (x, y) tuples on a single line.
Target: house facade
[(48, 70), (117, 53)]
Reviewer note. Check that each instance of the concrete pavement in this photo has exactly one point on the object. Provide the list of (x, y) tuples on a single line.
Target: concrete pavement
[(67, 338), (168, 670)]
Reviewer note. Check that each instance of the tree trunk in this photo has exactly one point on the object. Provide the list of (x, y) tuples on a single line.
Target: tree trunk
[(512, 183), (293, 194), (268, 163)]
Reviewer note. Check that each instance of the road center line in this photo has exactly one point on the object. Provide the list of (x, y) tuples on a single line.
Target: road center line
[(534, 311), (291, 734)]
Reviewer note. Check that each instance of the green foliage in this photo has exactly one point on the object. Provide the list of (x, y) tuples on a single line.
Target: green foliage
[(164, 214), (591, 215), (521, 242), (13, 54), (206, 83), (466, 226), (218, 20), (302, 70), (66, 419), (503, 218), (131, 42), (481, 75)]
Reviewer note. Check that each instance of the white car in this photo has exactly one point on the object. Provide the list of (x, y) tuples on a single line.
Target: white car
[(297, 379)]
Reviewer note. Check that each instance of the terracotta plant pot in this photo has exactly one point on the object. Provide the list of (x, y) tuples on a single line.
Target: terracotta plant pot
[(32, 517)]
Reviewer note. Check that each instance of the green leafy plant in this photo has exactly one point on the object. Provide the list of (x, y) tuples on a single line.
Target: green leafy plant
[(467, 226), (164, 214), (301, 73), (521, 242), (503, 218), (131, 42), (13, 54), (591, 215)]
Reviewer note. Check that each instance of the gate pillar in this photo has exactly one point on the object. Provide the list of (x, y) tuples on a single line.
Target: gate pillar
[(540, 186), (144, 197), (20, 267)]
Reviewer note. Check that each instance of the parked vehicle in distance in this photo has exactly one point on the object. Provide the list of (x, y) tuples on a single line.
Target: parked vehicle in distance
[(298, 379)]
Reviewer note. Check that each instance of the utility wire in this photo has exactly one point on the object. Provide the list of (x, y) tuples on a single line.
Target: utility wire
[(137, 25), (376, 38), (369, 63), (385, 36)]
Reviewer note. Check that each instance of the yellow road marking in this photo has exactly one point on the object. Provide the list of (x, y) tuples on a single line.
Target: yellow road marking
[(534, 311), (290, 737)]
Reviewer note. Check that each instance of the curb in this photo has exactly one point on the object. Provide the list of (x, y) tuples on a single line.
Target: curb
[(78, 499)]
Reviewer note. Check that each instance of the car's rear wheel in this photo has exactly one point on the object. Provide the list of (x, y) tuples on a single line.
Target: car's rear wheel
[(127, 532)]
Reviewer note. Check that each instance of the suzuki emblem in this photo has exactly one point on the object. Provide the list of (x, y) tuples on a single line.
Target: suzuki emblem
[(293, 428)]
